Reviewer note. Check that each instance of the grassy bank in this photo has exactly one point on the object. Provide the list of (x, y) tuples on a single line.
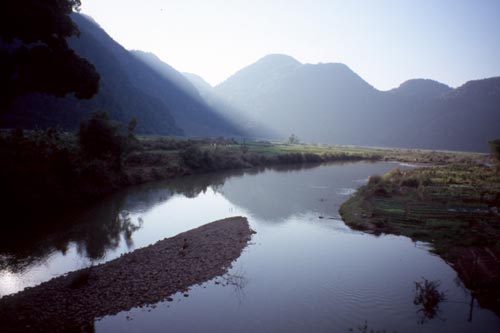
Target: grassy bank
[(453, 207), (163, 157), (46, 171)]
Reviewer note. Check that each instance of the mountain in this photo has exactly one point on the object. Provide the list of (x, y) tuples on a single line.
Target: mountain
[(421, 88), (247, 123), (330, 103), (466, 117), (190, 111), (203, 87), (133, 84)]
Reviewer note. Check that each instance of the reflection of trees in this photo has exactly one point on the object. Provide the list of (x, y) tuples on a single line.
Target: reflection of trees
[(96, 244), (238, 281), (100, 228), (428, 297), (95, 231)]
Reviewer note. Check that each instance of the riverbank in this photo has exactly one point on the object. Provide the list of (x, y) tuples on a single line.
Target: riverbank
[(48, 170), (455, 208), (143, 277)]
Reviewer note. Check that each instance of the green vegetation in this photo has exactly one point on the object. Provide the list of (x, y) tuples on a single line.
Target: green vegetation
[(167, 157), (50, 170), (46, 170), (453, 207)]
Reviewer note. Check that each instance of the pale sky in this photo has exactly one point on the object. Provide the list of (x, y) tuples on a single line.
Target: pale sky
[(385, 41)]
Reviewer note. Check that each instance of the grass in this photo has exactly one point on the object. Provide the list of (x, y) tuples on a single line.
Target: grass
[(454, 207), (48, 169)]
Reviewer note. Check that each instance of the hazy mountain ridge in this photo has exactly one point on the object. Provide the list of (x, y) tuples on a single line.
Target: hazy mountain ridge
[(421, 88), (272, 98), (191, 112), (251, 127), (117, 94), (133, 84), (330, 103), (202, 86)]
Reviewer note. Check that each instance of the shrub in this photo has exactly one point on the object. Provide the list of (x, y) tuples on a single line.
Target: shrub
[(103, 139), (410, 182), (495, 151), (374, 180)]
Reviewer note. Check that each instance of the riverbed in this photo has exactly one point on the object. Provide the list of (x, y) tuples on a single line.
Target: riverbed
[(305, 270)]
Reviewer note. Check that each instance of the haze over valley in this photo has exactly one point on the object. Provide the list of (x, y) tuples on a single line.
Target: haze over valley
[(271, 99), (264, 166)]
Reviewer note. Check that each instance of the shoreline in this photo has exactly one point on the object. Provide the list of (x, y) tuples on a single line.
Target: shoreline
[(437, 206), (145, 276)]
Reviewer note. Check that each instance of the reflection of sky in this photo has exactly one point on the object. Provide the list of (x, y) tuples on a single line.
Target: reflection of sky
[(270, 196), (51, 266), (310, 275), (275, 196), (301, 274), (180, 214)]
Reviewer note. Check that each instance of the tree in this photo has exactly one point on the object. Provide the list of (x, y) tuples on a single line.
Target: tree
[(34, 54), (100, 138), (132, 124), (495, 151), (293, 139)]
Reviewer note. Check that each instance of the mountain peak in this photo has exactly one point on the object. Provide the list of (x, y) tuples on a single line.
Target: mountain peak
[(278, 59), (421, 87), (269, 66)]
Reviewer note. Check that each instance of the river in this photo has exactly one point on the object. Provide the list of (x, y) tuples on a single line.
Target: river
[(304, 270)]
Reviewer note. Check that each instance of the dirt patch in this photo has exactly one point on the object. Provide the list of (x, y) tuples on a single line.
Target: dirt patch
[(149, 275)]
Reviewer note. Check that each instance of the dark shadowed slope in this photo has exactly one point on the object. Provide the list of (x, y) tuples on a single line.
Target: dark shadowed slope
[(466, 116), (190, 110), (117, 95), (330, 103), (133, 84)]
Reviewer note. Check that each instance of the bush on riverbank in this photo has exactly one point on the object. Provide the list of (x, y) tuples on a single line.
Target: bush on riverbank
[(48, 169), (45, 170)]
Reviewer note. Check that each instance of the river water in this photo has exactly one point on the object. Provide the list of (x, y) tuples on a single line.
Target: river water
[(304, 271)]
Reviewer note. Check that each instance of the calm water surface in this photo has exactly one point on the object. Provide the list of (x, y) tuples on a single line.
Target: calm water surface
[(304, 271)]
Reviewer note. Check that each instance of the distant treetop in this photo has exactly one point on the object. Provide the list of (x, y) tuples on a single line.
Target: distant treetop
[(495, 150)]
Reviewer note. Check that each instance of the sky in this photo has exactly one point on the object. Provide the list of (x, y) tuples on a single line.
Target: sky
[(385, 41)]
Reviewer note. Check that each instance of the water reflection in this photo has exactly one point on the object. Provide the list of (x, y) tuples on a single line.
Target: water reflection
[(93, 233), (237, 280), (428, 298), (278, 194), (103, 227)]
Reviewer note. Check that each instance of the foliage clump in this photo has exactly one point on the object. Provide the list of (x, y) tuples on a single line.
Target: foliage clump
[(47, 169), (34, 54), (102, 139)]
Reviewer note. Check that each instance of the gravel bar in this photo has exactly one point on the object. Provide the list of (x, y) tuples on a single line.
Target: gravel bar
[(72, 302)]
